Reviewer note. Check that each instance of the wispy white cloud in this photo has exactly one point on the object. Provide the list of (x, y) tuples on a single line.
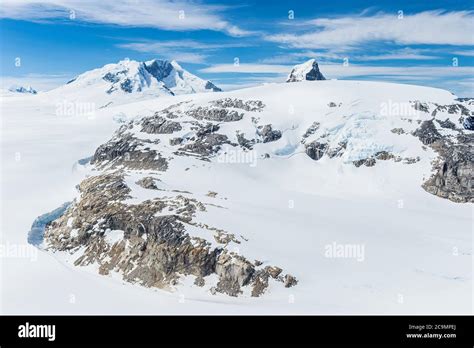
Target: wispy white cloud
[(395, 56), (246, 81), (299, 56), (244, 68), (342, 71), (401, 54), (452, 78), (150, 46), (279, 59), (429, 27), (455, 79), (466, 53), (435, 72), (163, 14), (168, 50), (40, 82), (186, 57), (188, 51)]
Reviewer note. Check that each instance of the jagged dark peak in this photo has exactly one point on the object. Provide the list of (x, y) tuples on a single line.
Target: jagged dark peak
[(308, 71), (160, 69)]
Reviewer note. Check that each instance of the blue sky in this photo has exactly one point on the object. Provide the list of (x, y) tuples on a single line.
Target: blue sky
[(428, 43)]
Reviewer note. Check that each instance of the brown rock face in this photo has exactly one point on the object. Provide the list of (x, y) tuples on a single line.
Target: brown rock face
[(153, 250), (149, 242), (454, 172)]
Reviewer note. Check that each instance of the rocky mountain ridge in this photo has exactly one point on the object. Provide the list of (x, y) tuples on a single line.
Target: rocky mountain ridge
[(21, 89), (133, 215), (129, 81)]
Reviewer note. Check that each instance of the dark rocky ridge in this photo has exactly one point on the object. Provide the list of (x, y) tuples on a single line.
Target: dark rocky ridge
[(454, 169), (469, 123), (156, 249), (249, 105), (160, 125), (126, 150)]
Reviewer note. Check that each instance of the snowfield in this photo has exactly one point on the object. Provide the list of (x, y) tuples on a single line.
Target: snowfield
[(360, 240)]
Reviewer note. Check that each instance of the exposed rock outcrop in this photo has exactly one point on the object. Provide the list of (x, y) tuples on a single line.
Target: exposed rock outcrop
[(214, 114), (451, 109), (248, 105), (206, 145), (126, 150), (148, 182), (144, 243), (160, 125), (454, 171), (469, 123), (268, 134), (420, 106), (310, 131), (427, 133), (315, 150), (153, 241)]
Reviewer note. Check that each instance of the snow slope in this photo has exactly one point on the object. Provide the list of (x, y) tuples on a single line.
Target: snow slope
[(417, 248)]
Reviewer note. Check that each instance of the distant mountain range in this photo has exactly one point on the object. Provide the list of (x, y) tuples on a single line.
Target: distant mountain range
[(131, 80), (21, 89)]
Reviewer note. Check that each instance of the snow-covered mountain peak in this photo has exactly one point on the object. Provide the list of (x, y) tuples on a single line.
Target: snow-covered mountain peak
[(308, 71), (21, 89), (130, 80)]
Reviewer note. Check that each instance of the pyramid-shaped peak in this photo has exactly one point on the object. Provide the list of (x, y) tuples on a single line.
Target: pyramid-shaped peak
[(158, 68), (308, 71)]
